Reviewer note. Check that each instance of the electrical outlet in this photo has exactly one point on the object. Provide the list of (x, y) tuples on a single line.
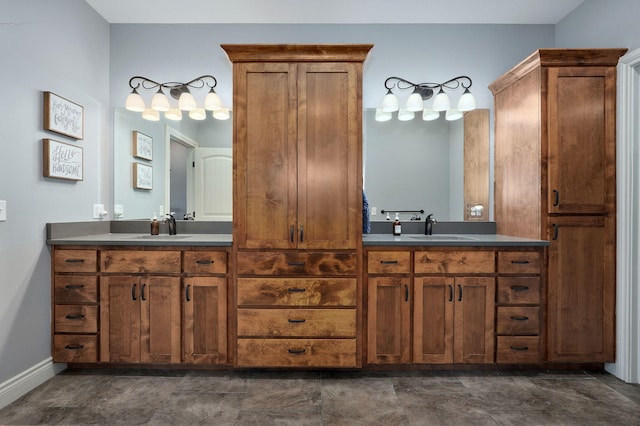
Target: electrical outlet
[(98, 211), (374, 211), (3, 210), (118, 210)]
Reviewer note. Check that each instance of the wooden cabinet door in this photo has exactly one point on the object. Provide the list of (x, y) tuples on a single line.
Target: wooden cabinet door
[(433, 326), (474, 320), (581, 143), (329, 171), (388, 321), (581, 289), (120, 319), (160, 319), (204, 322), (265, 155)]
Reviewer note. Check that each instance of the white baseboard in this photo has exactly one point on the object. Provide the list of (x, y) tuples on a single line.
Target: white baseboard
[(29, 379)]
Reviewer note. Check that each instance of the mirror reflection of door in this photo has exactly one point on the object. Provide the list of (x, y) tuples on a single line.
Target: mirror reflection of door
[(213, 184), (178, 171)]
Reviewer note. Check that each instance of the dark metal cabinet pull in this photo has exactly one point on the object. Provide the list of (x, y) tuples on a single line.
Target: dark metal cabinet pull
[(295, 263), (519, 318), (204, 262), (186, 293), (74, 287), (406, 293), (74, 260), (297, 321), (302, 234), (133, 292), (75, 317), (520, 262), (297, 351), (74, 347), (296, 290), (291, 233), (459, 293), (519, 348), (556, 197), (389, 262), (450, 293), (142, 296), (519, 288), (555, 231)]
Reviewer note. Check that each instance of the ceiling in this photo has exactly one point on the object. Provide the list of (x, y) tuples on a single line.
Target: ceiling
[(335, 11)]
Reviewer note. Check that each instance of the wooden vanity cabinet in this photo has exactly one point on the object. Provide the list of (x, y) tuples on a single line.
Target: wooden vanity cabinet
[(555, 167), (297, 196)]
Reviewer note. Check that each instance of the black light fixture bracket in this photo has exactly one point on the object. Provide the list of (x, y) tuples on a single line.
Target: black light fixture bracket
[(426, 90), (175, 88)]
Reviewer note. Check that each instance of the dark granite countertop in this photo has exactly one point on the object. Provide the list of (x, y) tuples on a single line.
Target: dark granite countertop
[(450, 240)]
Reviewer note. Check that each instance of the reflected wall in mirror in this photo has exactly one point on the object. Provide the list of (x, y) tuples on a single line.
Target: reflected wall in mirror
[(439, 166), (177, 185)]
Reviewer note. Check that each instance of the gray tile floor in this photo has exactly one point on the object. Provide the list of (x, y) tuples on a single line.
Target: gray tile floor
[(327, 398)]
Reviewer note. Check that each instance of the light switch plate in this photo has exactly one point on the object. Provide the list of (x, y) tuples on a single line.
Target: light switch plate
[(97, 211), (3, 210)]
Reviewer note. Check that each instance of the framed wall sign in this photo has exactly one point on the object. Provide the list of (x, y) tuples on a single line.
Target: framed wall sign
[(61, 160), (63, 116), (142, 145), (142, 176)]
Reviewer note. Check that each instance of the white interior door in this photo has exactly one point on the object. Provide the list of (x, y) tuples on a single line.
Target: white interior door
[(213, 185)]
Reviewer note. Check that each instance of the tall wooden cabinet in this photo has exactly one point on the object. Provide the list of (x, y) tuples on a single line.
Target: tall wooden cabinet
[(297, 187), (555, 180)]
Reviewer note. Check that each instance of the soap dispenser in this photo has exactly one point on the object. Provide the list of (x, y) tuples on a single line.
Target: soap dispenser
[(397, 226), (155, 225)]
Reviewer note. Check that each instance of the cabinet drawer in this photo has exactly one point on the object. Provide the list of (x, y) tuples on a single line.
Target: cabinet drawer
[(389, 262), (296, 291), (518, 320), (75, 348), (297, 263), (205, 262), (75, 289), (454, 262), (76, 319), (519, 290), (519, 262), (297, 322), (75, 260), (297, 353), (134, 261), (518, 349)]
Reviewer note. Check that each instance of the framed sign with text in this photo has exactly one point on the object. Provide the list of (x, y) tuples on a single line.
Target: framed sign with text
[(142, 176), (61, 160), (63, 116), (142, 145)]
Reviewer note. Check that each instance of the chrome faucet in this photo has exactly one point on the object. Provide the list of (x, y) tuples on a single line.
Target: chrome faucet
[(171, 221), (428, 228)]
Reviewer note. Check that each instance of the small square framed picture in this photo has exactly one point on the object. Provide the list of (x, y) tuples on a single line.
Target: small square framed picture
[(142, 176), (142, 146)]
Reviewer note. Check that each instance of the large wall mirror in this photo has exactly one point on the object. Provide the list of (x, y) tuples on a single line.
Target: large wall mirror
[(438, 166)]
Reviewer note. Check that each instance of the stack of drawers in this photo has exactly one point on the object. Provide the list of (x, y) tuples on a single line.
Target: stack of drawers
[(518, 324), (75, 306), (296, 309)]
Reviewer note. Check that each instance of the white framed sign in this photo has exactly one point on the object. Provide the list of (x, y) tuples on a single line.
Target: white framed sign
[(142, 176), (63, 116), (142, 145), (61, 160)]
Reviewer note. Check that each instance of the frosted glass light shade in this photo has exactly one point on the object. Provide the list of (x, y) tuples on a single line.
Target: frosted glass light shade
[(197, 114), (382, 116), (160, 102), (453, 114), (134, 102), (212, 101), (428, 114), (221, 114), (467, 102), (414, 103), (390, 102), (441, 101), (404, 115), (174, 114), (151, 114), (187, 102)]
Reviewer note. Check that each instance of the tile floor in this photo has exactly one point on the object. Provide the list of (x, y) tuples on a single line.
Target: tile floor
[(327, 398)]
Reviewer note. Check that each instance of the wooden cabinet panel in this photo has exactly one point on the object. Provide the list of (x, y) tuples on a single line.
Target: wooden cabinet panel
[(75, 288), (75, 260), (296, 291), (76, 319), (297, 322), (205, 262), (119, 319), (518, 349), (474, 315), (75, 348), (204, 321), (297, 353), (135, 261), (389, 316), (296, 263), (519, 262), (160, 319), (454, 262), (433, 326), (389, 262), (518, 290), (518, 320)]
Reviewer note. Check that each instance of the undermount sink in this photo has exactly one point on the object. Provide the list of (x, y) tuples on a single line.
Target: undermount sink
[(441, 237), (158, 237)]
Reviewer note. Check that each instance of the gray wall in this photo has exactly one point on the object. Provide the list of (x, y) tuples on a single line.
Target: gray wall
[(60, 46)]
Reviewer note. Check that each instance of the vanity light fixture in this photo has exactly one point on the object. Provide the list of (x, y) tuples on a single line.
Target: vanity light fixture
[(422, 92), (180, 92)]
